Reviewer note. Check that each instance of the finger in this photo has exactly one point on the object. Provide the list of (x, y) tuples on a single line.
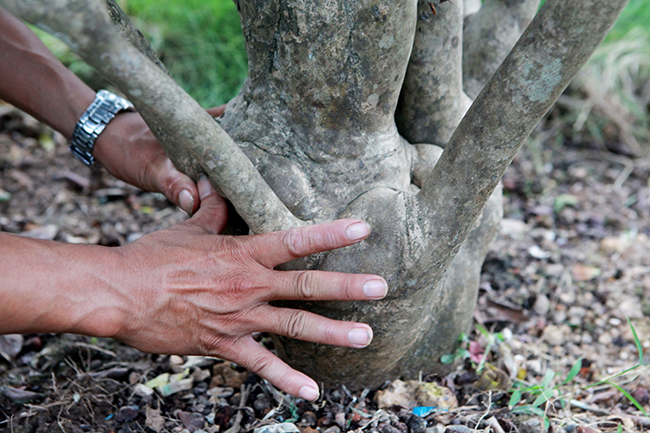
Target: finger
[(323, 286), (306, 326), (252, 356), (217, 111), (179, 188), (212, 216), (272, 249)]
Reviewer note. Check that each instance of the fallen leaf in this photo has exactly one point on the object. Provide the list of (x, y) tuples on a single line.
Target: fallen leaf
[(413, 393), (285, 427), (174, 387), (157, 381), (10, 346), (154, 420), (191, 420), (564, 200), (47, 232), (17, 395), (582, 272)]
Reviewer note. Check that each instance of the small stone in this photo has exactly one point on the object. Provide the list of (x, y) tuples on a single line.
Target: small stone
[(605, 338), (553, 335), (458, 429), (387, 428), (539, 253), (533, 425), (191, 420), (629, 308), (333, 429), (308, 418), (127, 413), (435, 429), (554, 270), (416, 424), (514, 229), (542, 305), (175, 359), (220, 392)]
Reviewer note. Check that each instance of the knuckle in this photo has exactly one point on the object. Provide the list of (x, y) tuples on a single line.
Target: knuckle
[(306, 285), (211, 344), (260, 364), (295, 241), (296, 326)]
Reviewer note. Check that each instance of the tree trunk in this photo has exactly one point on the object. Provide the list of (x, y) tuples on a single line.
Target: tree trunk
[(316, 117)]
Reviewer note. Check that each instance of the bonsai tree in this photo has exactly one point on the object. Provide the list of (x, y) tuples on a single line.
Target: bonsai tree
[(345, 113)]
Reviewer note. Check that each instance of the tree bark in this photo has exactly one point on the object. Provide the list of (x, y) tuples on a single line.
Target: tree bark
[(316, 118)]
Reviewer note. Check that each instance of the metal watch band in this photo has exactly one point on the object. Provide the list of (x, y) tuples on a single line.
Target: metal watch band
[(103, 109)]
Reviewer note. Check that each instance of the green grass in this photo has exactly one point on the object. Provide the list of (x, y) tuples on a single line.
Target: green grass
[(636, 15), (199, 41)]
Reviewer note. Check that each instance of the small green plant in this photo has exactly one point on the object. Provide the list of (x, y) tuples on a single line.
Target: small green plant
[(639, 364), (460, 353), (534, 396)]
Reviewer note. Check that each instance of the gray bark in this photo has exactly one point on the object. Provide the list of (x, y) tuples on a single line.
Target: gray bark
[(488, 37), (316, 118)]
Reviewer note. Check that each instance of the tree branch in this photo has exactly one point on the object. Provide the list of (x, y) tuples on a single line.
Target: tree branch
[(554, 47), (128, 30), (432, 101), (488, 37), (186, 131)]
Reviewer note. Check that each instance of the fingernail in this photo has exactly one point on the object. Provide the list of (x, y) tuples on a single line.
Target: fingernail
[(357, 231), (187, 201), (360, 337), (308, 393), (375, 289), (205, 188)]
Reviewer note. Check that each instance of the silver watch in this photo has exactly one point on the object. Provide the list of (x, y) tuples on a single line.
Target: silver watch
[(105, 106)]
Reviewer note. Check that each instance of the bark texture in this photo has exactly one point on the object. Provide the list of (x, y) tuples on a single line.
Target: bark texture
[(488, 37), (316, 117)]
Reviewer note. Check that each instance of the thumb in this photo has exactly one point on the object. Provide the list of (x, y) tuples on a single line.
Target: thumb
[(212, 215)]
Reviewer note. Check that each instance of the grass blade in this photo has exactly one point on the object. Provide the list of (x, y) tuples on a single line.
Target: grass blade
[(629, 397), (515, 398), (639, 347), (574, 371)]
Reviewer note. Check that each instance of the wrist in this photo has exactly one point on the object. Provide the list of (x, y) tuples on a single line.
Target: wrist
[(92, 123)]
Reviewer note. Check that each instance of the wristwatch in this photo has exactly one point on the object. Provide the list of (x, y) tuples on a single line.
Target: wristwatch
[(103, 109)]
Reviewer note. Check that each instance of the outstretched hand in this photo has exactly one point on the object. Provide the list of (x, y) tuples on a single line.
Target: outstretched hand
[(201, 293), (129, 151)]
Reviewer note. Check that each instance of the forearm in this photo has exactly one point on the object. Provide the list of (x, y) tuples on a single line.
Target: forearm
[(35, 81), (49, 286)]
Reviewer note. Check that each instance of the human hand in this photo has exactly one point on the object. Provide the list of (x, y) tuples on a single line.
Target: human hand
[(129, 151), (200, 293)]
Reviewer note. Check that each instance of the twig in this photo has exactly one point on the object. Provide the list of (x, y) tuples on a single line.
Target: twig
[(588, 407), (489, 406), (96, 348), (242, 405), (492, 422)]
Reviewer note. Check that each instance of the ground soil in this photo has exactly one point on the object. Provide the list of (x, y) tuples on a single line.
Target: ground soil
[(569, 269)]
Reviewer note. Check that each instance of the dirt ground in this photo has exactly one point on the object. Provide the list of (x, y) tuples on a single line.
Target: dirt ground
[(569, 269)]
